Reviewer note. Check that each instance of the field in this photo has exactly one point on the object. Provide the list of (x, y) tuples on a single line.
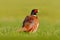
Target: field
[(13, 12)]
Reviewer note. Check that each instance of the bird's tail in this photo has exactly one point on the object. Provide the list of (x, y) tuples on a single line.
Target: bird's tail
[(20, 30)]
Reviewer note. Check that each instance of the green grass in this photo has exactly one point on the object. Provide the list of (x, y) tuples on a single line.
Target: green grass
[(13, 12)]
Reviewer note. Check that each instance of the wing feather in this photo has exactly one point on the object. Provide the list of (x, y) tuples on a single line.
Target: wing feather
[(29, 22)]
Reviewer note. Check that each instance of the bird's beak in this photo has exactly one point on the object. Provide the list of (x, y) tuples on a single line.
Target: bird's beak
[(38, 11)]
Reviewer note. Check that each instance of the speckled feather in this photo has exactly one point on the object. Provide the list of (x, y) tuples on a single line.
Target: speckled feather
[(30, 23)]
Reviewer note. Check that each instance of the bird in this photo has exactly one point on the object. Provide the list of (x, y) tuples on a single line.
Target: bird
[(31, 22)]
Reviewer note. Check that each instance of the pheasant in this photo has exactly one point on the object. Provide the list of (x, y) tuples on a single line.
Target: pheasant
[(31, 22)]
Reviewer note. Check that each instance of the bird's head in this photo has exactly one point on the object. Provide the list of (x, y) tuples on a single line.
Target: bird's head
[(34, 11)]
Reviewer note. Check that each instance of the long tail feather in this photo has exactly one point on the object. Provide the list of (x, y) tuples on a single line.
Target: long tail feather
[(20, 30)]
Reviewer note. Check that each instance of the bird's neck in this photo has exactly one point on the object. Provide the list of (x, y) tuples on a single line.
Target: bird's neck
[(33, 13)]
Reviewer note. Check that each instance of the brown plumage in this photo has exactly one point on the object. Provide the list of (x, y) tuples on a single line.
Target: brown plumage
[(30, 23)]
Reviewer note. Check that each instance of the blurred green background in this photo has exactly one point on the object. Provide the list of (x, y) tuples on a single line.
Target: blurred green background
[(13, 12)]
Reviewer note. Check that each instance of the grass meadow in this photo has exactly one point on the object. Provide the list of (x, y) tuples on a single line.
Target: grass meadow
[(13, 12)]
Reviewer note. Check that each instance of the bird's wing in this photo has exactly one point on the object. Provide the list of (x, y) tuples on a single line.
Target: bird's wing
[(29, 22), (25, 20)]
